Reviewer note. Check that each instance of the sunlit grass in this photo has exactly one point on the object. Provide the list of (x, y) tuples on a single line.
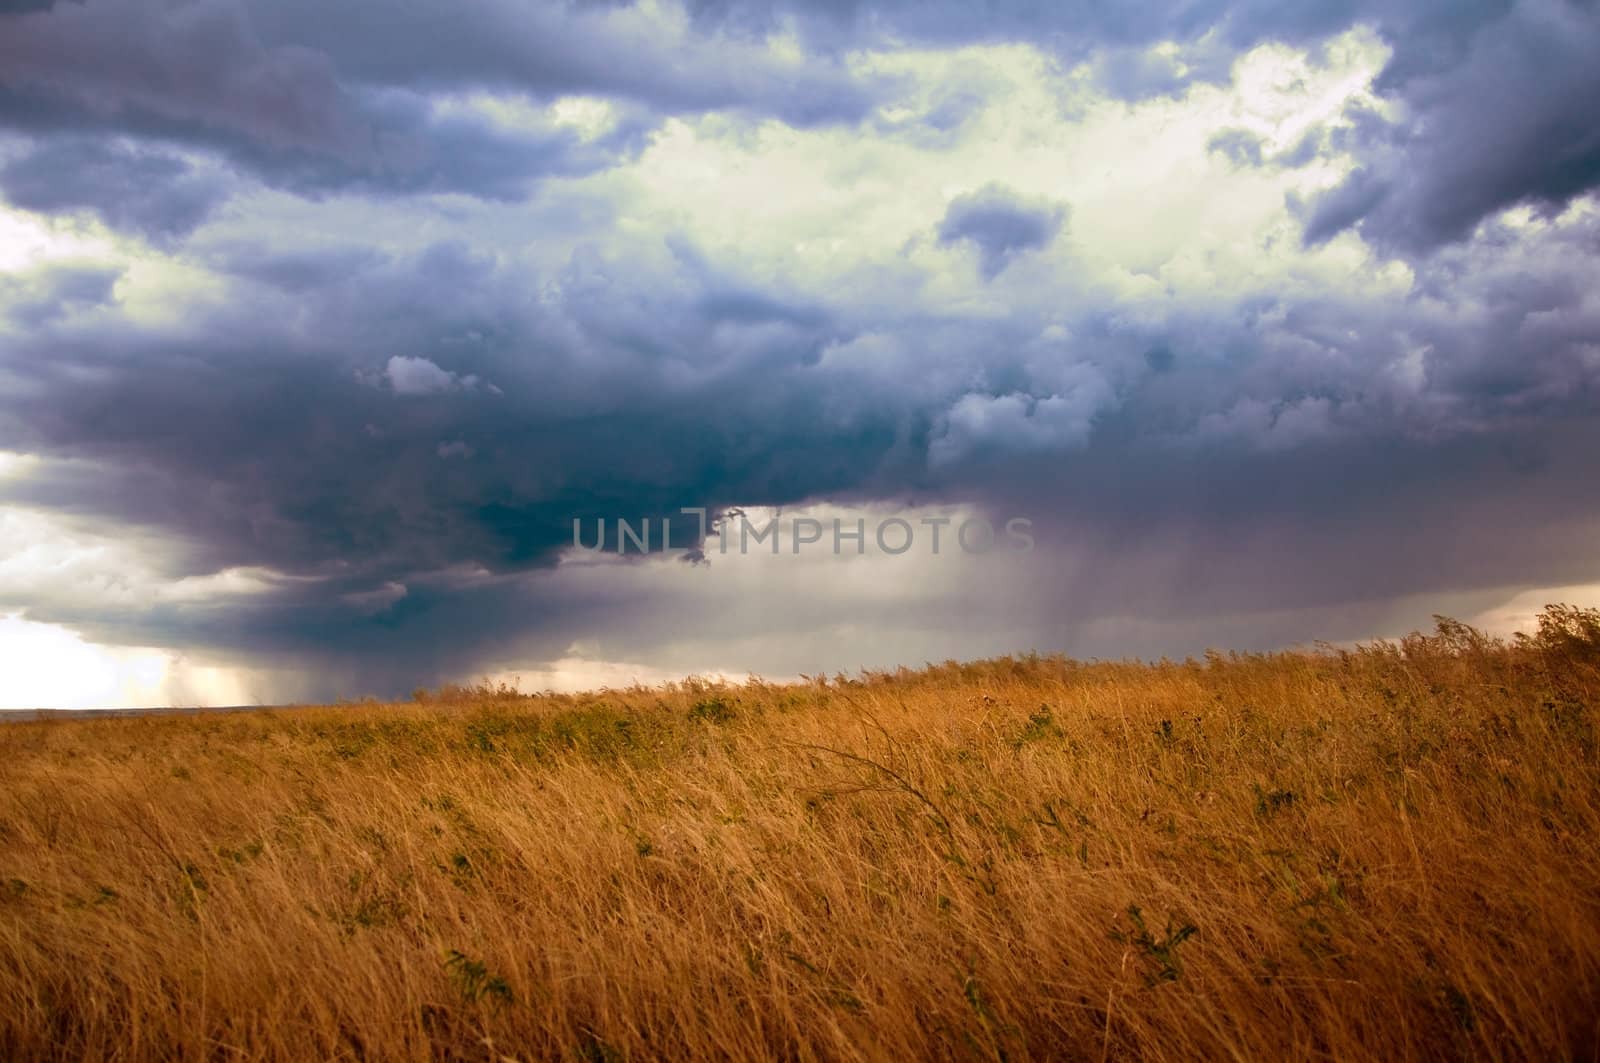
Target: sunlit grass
[(1388, 852)]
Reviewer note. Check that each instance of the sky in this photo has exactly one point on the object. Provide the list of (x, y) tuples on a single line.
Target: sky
[(321, 325)]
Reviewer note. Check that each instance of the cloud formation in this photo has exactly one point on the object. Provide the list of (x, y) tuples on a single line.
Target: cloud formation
[(1000, 225), (1504, 121), (318, 339), (159, 195), (321, 100)]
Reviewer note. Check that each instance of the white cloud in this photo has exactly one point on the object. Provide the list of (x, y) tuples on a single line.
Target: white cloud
[(419, 376), (1020, 424), (408, 375), (46, 666), (580, 672), (1520, 612), (815, 206), (77, 565)]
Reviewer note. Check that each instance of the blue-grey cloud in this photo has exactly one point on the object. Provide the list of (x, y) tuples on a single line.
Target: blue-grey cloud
[(275, 430), (1502, 117), (1239, 146), (1000, 225), (157, 194), (40, 298), (399, 408), (25, 7), (318, 99)]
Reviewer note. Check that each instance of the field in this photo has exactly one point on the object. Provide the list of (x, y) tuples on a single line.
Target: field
[(1387, 852)]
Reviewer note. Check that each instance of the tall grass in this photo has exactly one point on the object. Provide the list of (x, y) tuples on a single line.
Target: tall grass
[(1390, 852)]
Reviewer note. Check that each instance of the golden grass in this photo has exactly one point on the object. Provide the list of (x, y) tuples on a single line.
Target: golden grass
[(1387, 853)]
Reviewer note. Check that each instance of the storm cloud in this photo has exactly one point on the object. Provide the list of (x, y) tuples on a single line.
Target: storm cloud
[(320, 100), (326, 324), (1508, 122), (156, 194)]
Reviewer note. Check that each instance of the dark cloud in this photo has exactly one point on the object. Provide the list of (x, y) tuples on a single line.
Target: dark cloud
[(1280, 455), (1001, 225), (1073, 31), (157, 194), (400, 428), (1160, 358), (380, 144), (1491, 119), (355, 97), (311, 454), (318, 98), (197, 66), (558, 49)]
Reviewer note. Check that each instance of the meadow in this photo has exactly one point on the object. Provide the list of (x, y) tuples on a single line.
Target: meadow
[(1386, 852)]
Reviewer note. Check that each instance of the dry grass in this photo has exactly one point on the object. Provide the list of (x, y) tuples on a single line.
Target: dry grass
[(1391, 852)]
